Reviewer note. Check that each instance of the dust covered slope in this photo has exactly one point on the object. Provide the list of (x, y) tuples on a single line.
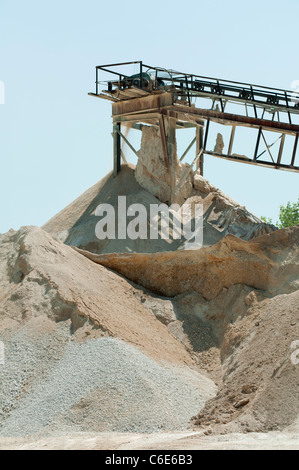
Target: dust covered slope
[(75, 225)]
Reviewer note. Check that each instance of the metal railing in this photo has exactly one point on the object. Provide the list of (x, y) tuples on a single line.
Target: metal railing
[(189, 86)]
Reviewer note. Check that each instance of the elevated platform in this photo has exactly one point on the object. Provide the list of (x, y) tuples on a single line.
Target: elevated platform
[(168, 99)]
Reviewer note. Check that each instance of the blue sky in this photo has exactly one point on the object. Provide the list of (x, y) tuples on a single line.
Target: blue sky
[(55, 140)]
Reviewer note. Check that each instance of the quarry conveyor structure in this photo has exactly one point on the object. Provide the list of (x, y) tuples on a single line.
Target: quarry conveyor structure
[(168, 99)]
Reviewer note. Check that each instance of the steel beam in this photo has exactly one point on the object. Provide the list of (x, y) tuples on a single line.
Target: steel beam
[(116, 149), (267, 147), (127, 142), (281, 149), (231, 141), (164, 141), (257, 144), (187, 149), (206, 134), (295, 149), (241, 159), (199, 147), (171, 151), (236, 119)]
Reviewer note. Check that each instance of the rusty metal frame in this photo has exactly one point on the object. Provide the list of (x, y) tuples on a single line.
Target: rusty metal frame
[(274, 100), (256, 160), (174, 102)]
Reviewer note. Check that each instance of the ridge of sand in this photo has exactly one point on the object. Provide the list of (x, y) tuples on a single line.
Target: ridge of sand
[(208, 270)]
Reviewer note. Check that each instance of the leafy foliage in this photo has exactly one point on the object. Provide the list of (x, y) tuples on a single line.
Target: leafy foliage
[(288, 215), (267, 220)]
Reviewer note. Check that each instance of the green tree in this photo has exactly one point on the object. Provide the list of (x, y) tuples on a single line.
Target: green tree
[(288, 215), (267, 220)]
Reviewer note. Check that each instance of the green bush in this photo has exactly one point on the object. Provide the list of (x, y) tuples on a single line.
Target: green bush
[(288, 215), (267, 220)]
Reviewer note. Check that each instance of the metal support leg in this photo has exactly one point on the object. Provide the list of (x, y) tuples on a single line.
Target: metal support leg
[(116, 149), (257, 144), (163, 140), (206, 134), (295, 149), (187, 149), (281, 149), (97, 81), (231, 142), (128, 143), (199, 146), (171, 151)]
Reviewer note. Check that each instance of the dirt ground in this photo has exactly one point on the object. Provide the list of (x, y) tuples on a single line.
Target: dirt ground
[(161, 441)]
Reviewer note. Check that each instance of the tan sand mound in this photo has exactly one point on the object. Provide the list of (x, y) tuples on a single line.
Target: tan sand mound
[(75, 225), (134, 336), (246, 294), (261, 384), (269, 263), (40, 276), (82, 353)]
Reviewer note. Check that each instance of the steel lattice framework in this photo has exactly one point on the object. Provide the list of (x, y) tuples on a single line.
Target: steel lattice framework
[(166, 98)]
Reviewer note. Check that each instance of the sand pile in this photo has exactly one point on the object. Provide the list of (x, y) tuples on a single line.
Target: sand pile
[(75, 225), (210, 269), (81, 350), (261, 384), (239, 299), (135, 336)]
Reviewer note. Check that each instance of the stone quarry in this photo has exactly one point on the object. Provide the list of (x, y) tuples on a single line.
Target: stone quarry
[(144, 337)]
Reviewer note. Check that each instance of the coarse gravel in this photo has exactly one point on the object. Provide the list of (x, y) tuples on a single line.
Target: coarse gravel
[(54, 382)]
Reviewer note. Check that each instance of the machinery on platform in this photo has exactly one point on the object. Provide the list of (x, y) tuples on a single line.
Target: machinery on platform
[(155, 96)]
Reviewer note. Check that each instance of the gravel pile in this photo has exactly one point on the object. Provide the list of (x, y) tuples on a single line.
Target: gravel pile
[(28, 359), (56, 383)]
